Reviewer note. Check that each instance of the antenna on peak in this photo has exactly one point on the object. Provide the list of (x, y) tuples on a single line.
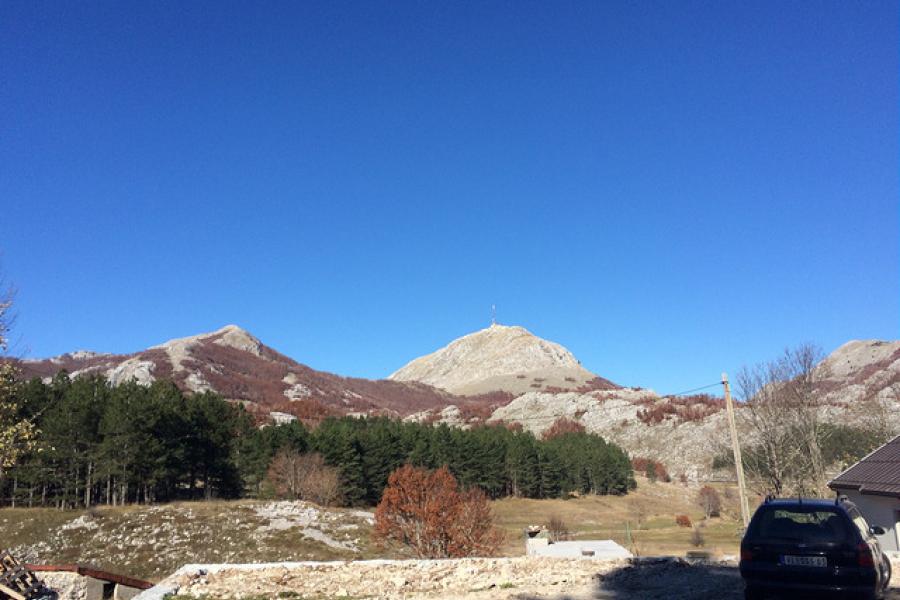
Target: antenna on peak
[(493, 314)]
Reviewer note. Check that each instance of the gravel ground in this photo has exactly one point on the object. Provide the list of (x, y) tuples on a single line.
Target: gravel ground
[(520, 578)]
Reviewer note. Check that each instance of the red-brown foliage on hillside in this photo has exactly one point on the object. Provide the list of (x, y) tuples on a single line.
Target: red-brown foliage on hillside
[(652, 469), (563, 426), (426, 511), (597, 384), (682, 408)]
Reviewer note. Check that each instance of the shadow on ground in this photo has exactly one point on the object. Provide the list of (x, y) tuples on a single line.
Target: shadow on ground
[(669, 579), (672, 579)]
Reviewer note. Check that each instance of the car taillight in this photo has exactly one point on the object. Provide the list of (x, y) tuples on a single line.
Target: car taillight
[(864, 556), (746, 555)]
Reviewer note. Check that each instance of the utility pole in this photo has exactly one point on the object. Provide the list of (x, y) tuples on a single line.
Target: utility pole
[(736, 448)]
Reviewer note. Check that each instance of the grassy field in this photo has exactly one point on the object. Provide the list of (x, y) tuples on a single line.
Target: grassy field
[(643, 521), (152, 541)]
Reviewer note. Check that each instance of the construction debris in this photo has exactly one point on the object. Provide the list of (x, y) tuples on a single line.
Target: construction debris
[(19, 583)]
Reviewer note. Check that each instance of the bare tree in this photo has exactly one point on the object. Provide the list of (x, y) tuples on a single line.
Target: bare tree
[(557, 529), (305, 476), (783, 415), (708, 499), (876, 410), (17, 435)]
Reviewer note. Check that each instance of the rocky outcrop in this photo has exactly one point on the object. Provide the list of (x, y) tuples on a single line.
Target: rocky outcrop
[(861, 369), (683, 446), (499, 358)]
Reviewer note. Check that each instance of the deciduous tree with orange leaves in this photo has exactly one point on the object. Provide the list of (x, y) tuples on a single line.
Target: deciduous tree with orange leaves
[(426, 511)]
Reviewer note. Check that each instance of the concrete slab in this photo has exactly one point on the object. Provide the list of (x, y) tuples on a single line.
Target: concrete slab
[(589, 549)]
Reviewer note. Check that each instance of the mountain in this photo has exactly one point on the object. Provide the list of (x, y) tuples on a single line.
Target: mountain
[(859, 384), (861, 369), (500, 374), (235, 364), (499, 358)]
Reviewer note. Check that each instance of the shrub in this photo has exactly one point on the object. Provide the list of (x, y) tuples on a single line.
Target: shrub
[(557, 529), (697, 538), (652, 469), (684, 409), (425, 511), (709, 500), (683, 521)]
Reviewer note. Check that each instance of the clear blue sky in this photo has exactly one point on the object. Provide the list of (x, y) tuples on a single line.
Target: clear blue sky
[(669, 189)]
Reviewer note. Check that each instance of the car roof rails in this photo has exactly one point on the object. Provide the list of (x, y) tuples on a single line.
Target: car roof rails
[(769, 498)]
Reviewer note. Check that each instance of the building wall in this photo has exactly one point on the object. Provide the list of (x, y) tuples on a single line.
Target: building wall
[(883, 511)]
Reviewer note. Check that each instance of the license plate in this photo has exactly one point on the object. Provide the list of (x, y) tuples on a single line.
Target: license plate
[(804, 561)]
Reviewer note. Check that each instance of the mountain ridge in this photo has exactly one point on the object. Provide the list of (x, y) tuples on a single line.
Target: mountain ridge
[(683, 433), (237, 365)]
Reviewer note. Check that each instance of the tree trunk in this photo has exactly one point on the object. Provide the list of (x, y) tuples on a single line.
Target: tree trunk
[(87, 486)]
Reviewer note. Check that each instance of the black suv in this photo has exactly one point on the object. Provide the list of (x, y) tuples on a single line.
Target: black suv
[(816, 546)]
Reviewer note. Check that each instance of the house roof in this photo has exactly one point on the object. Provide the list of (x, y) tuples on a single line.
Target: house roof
[(877, 474)]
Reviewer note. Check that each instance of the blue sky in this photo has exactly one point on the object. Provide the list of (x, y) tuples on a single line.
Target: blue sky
[(669, 189)]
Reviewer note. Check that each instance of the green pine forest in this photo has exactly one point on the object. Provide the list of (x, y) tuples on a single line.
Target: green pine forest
[(103, 444)]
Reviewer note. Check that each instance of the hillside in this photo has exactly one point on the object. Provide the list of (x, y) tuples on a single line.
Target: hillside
[(859, 384), (235, 364)]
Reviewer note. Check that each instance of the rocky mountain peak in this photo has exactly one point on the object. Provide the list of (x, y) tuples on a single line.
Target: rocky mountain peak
[(179, 349), (486, 360), (856, 355)]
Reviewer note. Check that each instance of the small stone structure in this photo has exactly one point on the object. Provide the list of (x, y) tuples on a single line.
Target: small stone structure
[(538, 543)]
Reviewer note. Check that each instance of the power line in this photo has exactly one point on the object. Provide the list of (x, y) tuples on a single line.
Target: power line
[(705, 387)]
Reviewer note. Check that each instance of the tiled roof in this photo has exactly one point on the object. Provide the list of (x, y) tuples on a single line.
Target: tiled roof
[(878, 473)]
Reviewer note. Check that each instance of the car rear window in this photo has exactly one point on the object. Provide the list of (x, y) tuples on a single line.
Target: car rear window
[(800, 524)]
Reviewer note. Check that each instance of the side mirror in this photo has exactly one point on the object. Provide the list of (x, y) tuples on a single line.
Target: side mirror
[(876, 530)]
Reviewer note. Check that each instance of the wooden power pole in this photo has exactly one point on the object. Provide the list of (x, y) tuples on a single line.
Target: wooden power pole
[(736, 448)]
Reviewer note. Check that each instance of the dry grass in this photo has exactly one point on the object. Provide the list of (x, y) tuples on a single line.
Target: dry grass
[(648, 514)]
